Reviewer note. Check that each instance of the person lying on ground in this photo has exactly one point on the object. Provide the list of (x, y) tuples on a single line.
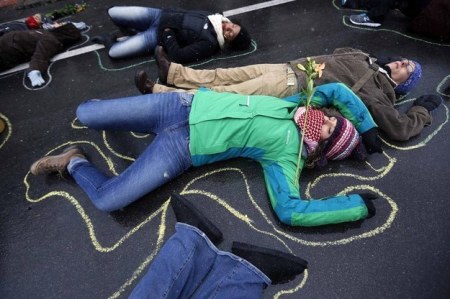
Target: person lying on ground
[(377, 82), (186, 35), (194, 130), (37, 47), (189, 265)]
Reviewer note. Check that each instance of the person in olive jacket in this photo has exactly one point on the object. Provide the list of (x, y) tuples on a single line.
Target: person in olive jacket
[(186, 35), (37, 47)]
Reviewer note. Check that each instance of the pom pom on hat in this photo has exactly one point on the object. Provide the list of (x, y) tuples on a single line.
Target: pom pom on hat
[(412, 81)]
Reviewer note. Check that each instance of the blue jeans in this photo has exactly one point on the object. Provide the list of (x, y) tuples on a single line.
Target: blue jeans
[(190, 266), (143, 19), (164, 114)]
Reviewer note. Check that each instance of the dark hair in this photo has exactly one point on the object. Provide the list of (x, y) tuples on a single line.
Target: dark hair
[(315, 158), (241, 41)]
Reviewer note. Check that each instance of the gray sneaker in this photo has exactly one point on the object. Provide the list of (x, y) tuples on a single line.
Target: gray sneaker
[(363, 20), (56, 163)]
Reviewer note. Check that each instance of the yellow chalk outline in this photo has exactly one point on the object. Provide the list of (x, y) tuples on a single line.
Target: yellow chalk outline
[(8, 129)]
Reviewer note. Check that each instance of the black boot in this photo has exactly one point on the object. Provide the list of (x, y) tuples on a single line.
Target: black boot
[(163, 64), (105, 39), (186, 212), (279, 266), (143, 83)]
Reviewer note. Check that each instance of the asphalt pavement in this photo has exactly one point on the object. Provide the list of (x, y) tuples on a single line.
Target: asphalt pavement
[(55, 244)]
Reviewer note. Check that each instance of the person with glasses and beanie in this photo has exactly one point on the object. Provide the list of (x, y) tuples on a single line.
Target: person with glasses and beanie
[(378, 82), (186, 35)]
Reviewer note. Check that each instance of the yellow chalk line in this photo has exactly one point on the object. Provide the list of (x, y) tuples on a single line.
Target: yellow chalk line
[(8, 128), (294, 290), (235, 213), (384, 172), (138, 135), (426, 140), (439, 87), (108, 146), (146, 262), (371, 233)]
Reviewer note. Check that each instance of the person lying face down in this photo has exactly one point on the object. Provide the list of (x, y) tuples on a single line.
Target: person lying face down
[(186, 35), (194, 130)]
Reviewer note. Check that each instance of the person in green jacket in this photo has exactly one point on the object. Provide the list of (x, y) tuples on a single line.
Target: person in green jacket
[(194, 130)]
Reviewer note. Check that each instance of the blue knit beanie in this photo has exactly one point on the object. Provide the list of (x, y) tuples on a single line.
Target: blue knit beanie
[(412, 81)]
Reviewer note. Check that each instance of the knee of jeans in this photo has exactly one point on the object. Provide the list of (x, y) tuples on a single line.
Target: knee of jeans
[(105, 206), (84, 113)]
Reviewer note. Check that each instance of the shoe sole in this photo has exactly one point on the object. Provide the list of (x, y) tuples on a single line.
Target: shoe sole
[(213, 233), (67, 152), (366, 24)]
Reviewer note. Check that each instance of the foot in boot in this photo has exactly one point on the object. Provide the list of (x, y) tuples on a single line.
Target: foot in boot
[(105, 39), (163, 64), (279, 266), (56, 163), (186, 212), (143, 83)]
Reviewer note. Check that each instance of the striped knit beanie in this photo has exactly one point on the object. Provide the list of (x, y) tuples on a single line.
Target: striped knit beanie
[(311, 135), (342, 141)]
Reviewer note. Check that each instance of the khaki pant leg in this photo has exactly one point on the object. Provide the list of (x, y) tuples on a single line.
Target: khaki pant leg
[(262, 79), (159, 88)]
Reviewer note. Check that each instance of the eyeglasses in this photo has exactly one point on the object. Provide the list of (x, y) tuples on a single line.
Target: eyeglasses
[(410, 67)]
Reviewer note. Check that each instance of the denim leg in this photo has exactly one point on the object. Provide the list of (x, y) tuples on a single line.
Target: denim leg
[(150, 113), (135, 17), (189, 265), (144, 19), (164, 159)]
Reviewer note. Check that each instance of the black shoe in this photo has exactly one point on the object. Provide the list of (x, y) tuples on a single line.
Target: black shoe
[(279, 266), (105, 39), (186, 212), (163, 64), (143, 83)]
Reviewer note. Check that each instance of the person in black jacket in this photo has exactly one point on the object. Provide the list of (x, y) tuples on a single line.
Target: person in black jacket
[(37, 47), (185, 35)]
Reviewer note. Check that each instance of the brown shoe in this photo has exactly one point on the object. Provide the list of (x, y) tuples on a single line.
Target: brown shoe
[(56, 163), (2, 125), (143, 83), (163, 64)]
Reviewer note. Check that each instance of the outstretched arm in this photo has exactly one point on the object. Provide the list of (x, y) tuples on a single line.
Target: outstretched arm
[(292, 210), (339, 96)]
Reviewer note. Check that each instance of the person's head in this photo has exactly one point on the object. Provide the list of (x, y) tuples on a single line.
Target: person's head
[(236, 36), (327, 138), (67, 34), (406, 73), (34, 21)]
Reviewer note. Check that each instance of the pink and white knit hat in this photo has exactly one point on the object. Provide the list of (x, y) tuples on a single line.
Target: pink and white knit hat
[(311, 135)]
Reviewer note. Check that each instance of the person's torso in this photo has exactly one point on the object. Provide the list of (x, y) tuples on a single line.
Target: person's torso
[(224, 126), (189, 26)]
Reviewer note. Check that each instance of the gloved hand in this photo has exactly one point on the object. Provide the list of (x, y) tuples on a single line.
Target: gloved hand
[(80, 25), (371, 141), (167, 34), (429, 101), (36, 78), (368, 197)]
